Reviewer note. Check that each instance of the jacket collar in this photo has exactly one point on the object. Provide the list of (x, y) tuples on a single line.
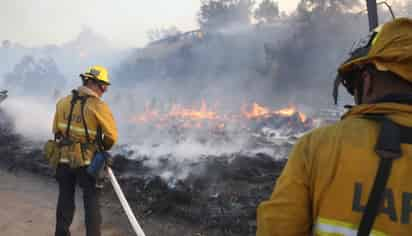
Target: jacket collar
[(87, 91), (396, 106), (396, 98)]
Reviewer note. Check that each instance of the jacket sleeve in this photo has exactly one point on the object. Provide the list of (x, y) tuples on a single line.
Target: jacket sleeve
[(288, 211), (107, 123)]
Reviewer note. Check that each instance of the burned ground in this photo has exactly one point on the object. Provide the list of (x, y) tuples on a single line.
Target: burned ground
[(220, 201), (225, 198)]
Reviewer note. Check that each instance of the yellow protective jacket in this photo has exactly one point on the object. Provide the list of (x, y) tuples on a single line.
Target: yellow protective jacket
[(326, 182), (97, 114)]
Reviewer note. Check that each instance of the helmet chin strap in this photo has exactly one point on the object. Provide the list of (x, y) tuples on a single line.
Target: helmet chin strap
[(101, 88), (335, 92), (359, 88)]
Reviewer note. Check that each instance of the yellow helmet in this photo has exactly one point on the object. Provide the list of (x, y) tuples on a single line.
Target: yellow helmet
[(98, 73), (388, 47)]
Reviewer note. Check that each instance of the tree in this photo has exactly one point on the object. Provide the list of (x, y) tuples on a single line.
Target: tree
[(324, 29), (162, 33), (37, 75), (267, 11), (328, 6), (217, 14)]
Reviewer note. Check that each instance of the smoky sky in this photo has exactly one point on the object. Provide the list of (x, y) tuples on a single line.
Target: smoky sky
[(125, 23)]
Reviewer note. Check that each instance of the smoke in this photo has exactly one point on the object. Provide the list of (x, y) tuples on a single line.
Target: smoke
[(37, 77), (401, 8), (290, 61), (174, 161), (293, 60), (32, 116)]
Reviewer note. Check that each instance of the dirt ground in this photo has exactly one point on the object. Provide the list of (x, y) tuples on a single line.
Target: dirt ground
[(28, 203)]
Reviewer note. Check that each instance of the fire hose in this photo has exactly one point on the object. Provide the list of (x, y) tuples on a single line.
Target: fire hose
[(126, 207)]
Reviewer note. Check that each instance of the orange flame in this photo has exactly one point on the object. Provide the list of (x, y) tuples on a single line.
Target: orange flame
[(178, 111), (256, 112), (221, 126), (192, 117), (291, 110), (259, 111)]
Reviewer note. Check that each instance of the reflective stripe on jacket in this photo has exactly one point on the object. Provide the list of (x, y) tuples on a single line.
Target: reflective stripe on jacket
[(325, 184), (326, 227), (96, 114)]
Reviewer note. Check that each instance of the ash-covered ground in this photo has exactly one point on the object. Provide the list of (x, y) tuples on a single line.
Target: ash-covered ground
[(217, 194)]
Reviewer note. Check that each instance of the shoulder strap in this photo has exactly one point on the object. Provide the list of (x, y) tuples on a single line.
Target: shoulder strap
[(75, 97), (388, 148), (83, 103)]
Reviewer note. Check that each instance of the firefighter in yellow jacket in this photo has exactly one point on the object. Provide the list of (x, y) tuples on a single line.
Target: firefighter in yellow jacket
[(83, 124), (338, 179)]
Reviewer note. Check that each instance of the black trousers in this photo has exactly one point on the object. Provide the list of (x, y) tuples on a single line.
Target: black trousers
[(67, 179)]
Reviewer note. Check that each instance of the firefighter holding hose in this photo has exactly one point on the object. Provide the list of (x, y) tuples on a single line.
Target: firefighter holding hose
[(83, 126)]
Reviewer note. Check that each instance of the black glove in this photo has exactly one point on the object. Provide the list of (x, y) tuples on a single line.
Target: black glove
[(108, 159)]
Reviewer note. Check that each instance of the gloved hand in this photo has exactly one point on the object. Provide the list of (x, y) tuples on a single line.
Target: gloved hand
[(109, 159), (102, 175), (99, 163)]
